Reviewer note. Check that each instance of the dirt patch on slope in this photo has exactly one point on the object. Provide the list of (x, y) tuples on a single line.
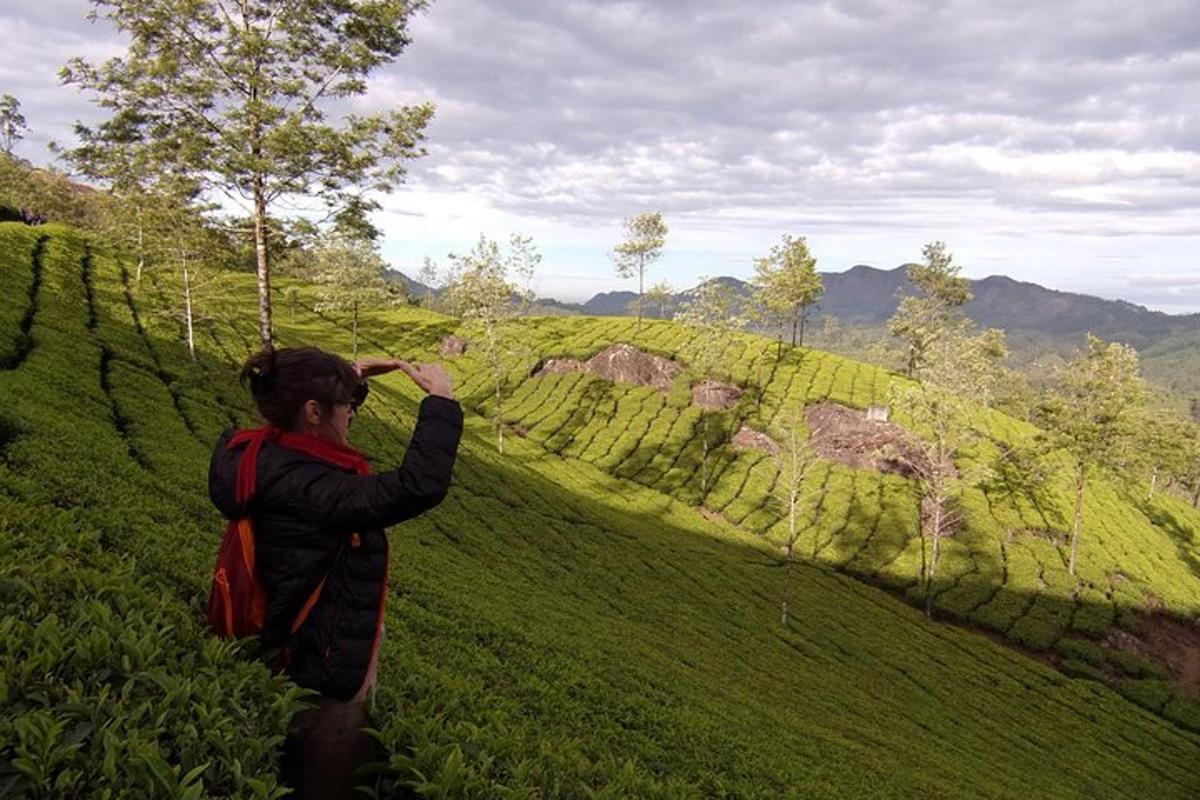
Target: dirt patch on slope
[(845, 436), (621, 363), (1169, 641), (749, 439), (715, 396), (452, 346)]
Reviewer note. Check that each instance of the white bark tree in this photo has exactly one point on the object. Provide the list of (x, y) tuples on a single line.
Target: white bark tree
[(490, 289)]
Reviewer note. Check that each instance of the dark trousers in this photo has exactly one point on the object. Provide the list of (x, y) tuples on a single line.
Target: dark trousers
[(324, 746)]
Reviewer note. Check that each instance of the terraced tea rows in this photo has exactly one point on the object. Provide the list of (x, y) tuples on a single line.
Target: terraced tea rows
[(554, 629)]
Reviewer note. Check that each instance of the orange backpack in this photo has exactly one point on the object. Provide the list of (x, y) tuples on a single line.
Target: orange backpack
[(237, 603)]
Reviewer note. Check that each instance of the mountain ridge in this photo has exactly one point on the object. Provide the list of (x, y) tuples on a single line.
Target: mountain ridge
[(866, 295)]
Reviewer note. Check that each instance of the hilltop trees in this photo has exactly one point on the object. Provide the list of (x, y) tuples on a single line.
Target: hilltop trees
[(1088, 415), (645, 236), (12, 123), (349, 276), (923, 319), (235, 95), (491, 289), (787, 285)]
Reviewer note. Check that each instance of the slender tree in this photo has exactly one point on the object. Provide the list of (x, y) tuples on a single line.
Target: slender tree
[(12, 123), (787, 285), (1088, 415), (1161, 438), (711, 312), (955, 376), (793, 495), (140, 177), (490, 289), (645, 236), (236, 94), (179, 245), (661, 295), (922, 319), (349, 273), (431, 278), (1189, 472)]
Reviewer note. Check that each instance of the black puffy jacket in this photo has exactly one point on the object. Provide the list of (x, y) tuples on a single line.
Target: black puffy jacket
[(306, 513)]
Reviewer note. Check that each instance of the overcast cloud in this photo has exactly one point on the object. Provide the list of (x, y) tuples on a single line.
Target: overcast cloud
[(1058, 143)]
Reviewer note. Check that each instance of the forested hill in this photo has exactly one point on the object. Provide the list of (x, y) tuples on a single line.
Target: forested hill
[(594, 613), (868, 296)]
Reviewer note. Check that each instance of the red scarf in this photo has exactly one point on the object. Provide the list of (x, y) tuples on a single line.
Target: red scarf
[(339, 455)]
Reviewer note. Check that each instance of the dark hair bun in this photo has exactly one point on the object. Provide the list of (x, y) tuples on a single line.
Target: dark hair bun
[(283, 380), (259, 372)]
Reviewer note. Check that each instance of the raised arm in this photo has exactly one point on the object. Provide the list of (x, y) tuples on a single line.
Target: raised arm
[(359, 502)]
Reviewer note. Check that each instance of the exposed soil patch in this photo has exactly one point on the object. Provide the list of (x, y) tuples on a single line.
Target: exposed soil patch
[(452, 346), (622, 363), (711, 515), (845, 436), (517, 430), (749, 439), (715, 396), (1169, 641)]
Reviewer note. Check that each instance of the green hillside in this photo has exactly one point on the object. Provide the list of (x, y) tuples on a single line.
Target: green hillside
[(566, 623)]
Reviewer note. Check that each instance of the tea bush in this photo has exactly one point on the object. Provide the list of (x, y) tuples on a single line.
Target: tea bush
[(565, 624)]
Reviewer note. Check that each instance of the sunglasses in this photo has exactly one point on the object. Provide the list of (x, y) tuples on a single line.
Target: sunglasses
[(357, 397)]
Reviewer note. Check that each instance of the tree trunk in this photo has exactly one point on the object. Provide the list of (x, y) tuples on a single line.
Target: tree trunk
[(187, 309), (1079, 487), (354, 333), (803, 321), (787, 587), (499, 414), (141, 248), (795, 322), (641, 283), (1153, 481), (936, 534), (1196, 496), (264, 269)]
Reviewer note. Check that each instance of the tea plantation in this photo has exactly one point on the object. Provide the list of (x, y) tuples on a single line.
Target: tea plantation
[(566, 624)]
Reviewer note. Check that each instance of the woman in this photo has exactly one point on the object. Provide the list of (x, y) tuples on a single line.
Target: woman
[(321, 550)]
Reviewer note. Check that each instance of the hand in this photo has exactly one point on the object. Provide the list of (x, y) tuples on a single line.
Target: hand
[(430, 377), (367, 367)]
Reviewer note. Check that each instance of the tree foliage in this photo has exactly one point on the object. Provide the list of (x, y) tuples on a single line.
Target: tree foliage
[(958, 372), (349, 273), (794, 493), (922, 319), (491, 288), (787, 285), (645, 236), (12, 123), (236, 94), (660, 295), (712, 312), (1089, 414)]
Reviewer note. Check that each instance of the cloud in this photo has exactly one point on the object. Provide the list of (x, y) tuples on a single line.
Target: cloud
[(999, 120)]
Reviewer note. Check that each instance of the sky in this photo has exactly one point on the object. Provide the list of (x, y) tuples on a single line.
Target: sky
[(1057, 143)]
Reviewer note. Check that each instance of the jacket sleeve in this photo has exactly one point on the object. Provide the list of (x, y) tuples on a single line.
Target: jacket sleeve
[(337, 499)]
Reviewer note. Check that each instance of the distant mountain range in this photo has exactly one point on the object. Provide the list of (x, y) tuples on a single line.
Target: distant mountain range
[(865, 295)]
